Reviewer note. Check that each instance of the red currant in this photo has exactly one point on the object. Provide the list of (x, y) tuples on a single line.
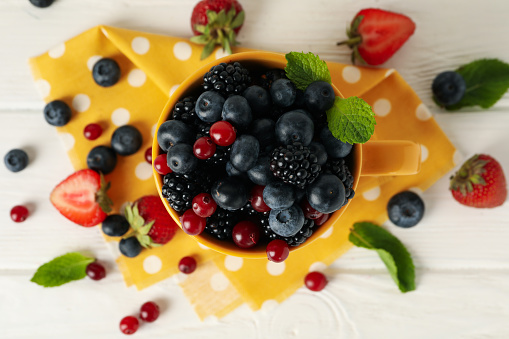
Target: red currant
[(161, 165), (148, 155), (95, 271), (129, 325), (309, 212), (321, 220), (222, 133), (187, 265), (204, 148), (257, 199), (92, 131), (277, 250), (203, 205), (191, 223), (19, 213), (315, 281), (246, 234), (149, 311)]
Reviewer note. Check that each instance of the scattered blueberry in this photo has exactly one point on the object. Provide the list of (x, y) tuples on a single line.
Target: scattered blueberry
[(278, 195), (287, 222), (260, 173), (174, 132), (335, 148), (405, 209), (181, 159), (258, 99), (209, 106), (16, 160), (283, 92), (448, 88), (130, 247), (41, 3), (115, 225), (264, 131), (326, 194), (319, 96), (230, 193), (318, 149), (106, 72), (102, 159), (232, 171), (294, 126), (126, 140), (236, 110), (244, 152), (57, 113)]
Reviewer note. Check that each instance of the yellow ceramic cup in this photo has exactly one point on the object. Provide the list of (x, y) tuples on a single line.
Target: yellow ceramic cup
[(372, 158)]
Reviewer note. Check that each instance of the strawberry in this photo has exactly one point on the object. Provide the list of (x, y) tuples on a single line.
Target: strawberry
[(150, 221), (216, 22), (480, 183), (82, 198), (375, 35)]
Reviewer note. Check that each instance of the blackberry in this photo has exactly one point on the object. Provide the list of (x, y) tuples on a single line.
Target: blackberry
[(220, 224), (180, 189), (184, 111), (339, 168), (294, 164), (220, 157), (232, 78), (305, 232)]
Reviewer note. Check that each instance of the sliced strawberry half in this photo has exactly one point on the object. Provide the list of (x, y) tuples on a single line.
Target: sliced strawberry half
[(82, 198)]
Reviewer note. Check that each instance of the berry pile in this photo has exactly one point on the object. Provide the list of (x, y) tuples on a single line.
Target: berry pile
[(251, 160)]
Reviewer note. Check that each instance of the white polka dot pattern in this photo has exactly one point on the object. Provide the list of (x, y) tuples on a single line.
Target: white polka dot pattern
[(152, 264), (233, 263), (136, 78), (143, 171), (275, 268), (57, 51), (120, 116), (92, 60), (382, 107), (351, 74), (372, 194), (182, 50), (422, 112), (68, 140), (81, 102), (43, 87), (219, 282), (140, 45)]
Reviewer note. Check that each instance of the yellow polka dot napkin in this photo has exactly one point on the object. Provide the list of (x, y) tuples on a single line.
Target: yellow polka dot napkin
[(152, 67)]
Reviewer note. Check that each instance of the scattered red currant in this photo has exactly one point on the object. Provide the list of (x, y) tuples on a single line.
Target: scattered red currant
[(315, 281), (148, 155), (257, 199), (204, 148), (95, 271), (203, 205), (129, 325), (277, 250), (222, 133), (321, 220), (92, 131), (191, 223), (309, 212), (149, 311), (161, 165), (246, 234), (19, 213), (187, 265)]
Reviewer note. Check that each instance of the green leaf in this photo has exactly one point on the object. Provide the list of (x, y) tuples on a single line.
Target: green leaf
[(200, 28), (208, 49), (486, 81), (211, 15), (200, 39), (351, 120), (61, 270), (238, 20), (303, 69), (392, 252)]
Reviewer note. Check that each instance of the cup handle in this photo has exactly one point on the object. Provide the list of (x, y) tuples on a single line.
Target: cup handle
[(390, 157)]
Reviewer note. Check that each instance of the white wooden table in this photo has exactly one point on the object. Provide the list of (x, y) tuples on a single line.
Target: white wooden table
[(461, 254)]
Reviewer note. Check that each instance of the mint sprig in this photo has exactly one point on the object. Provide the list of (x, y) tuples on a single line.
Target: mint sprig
[(392, 252), (303, 69), (61, 270), (486, 81)]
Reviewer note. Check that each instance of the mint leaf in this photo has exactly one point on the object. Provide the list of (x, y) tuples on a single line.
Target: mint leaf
[(303, 69), (486, 80), (61, 270), (351, 120), (392, 252)]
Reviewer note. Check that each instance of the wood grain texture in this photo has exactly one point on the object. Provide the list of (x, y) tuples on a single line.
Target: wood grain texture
[(460, 253)]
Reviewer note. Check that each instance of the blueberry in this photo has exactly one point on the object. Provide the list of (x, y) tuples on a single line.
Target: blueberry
[(264, 131), (41, 3), (115, 225), (319, 96), (181, 159), (318, 149), (130, 247), (294, 126), (106, 72), (283, 92), (232, 171), (299, 194), (230, 193), (126, 140), (258, 99), (405, 209), (102, 159), (172, 132), (278, 195), (335, 148), (57, 113), (287, 222), (236, 110), (244, 152), (326, 194), (16, 160), (448, 88), (209, 106), (260, 173)]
